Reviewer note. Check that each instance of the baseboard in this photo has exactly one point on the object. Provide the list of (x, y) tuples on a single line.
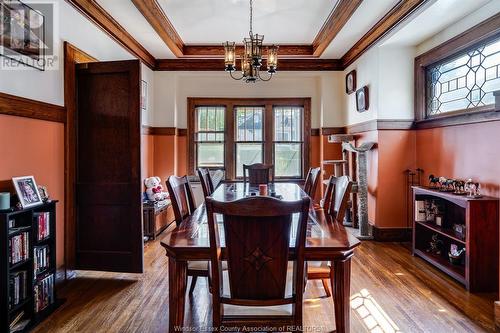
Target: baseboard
[(391, 234), (497, 316)]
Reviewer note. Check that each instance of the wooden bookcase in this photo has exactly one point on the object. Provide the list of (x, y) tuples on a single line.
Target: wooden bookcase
[(26, 222), (156, 218), (478, 271)]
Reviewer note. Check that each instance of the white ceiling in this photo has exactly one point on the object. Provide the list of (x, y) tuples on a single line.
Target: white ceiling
[(215, 21), (431, 20), (365, 17), (282, 21)]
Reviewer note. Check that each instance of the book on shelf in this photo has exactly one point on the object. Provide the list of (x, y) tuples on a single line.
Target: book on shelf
[(18, 325), (43, 225), (41, 258), (19, 248), (18, 290), (44, 292)]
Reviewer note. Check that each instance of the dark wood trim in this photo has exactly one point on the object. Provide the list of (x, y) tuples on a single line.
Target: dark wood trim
[(315, 131), (24, 107), (497, 315), (72, 56), (217, 50), (460, 119), (213, 64), (152, 130), (154, 14), (332, 130), (391, 234), (393, 18), (481, 32), (181, 131), (334, 23), (380, 125), (94, 12), (230, 104)]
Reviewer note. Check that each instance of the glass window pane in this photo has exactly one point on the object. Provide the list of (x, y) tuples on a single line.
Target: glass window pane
[(211, 119), (288, 124), (202, 118), (247, 153), (465, 81), (287, 159), (278, 124), (220, 119), (249, 125), (210, 154)]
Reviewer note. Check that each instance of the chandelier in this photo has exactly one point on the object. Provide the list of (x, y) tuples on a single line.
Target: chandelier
[(251, 59)]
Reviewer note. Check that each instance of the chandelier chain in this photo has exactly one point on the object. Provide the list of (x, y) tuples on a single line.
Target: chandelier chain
[(251, 18)]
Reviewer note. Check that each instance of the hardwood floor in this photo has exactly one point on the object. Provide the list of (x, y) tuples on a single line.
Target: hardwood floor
[(391, 292)]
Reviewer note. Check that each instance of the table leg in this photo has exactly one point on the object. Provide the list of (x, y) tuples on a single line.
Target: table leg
[(177, 281), (342, 293)]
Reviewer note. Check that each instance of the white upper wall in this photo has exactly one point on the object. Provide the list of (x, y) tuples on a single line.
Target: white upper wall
[(48, 85), (173, 89)]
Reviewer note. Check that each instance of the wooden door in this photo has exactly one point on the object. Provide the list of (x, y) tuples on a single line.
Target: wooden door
[(108, 169)]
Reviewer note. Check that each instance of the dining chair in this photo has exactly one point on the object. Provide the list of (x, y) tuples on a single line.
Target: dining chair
[(312, 181), (334, 204), (181, 197), (206, 182), (260, 287), (258, 173)]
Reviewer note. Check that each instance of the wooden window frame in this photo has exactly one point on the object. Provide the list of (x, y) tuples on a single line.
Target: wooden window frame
[(230, 152), (481, 33)]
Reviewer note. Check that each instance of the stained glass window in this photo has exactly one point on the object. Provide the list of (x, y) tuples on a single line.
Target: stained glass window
[(465, 82)]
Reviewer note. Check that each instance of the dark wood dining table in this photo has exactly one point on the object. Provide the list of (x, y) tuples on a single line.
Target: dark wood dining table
[(326, 240)]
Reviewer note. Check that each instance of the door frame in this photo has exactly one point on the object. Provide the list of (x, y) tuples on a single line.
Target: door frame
[(72, 57)]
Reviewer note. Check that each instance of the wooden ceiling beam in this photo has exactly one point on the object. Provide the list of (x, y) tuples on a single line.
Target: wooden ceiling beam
[(154, 14), (212, 64), (217, 50), (335, 22), (393, 18), (108, 24)]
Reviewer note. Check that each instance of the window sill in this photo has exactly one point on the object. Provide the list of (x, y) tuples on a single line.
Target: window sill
[(460, 118)]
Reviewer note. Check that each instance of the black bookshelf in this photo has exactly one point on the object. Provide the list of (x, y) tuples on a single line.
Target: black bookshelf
[(21, 226)]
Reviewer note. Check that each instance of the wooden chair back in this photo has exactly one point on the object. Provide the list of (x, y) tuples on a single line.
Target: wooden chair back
[(181, 197), (337, 197), (258, 173), (312, 181), (257, 236), (206, 182)]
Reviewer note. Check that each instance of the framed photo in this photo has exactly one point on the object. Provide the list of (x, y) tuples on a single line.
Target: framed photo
[(350, 82), (27, 191), (22, 34), (362, 102), (144, 95)]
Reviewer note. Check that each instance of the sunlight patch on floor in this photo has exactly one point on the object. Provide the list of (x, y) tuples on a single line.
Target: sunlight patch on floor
[(372, 315)]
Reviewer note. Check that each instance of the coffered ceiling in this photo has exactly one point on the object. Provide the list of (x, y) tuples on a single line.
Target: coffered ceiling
[(322, 34)]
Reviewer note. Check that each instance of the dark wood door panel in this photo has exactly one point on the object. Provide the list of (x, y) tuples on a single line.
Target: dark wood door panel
[(108, 184)]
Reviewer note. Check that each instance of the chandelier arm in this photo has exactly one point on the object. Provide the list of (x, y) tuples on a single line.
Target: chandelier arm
[(265, 80), (236, 78), (251, 18)]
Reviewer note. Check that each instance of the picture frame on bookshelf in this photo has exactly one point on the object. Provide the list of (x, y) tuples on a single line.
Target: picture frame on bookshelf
[(27, 191)]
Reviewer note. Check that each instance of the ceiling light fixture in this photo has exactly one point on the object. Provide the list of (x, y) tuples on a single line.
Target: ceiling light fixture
[(251, 59)]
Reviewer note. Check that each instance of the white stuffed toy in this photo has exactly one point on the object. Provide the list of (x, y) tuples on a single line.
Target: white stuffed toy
[(154, 190)]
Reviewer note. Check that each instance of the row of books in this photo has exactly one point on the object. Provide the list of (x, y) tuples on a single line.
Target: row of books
[(18, 290), (43, 219), (19, 248), (41, 257), (44, 292)]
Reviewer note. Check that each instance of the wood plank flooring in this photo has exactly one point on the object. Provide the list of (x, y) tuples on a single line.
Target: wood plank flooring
[(391, 292)]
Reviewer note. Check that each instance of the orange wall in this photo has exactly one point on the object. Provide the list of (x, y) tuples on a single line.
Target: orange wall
[(36, 147), (466, 151)]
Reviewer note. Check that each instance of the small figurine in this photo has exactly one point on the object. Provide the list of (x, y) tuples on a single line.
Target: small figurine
[(455, 254), (44, 194), (435, 245), (459, 187), (473, 189), (433, 181)]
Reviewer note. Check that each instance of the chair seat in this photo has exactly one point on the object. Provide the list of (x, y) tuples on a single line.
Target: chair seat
[(275, 310), (203, 265)]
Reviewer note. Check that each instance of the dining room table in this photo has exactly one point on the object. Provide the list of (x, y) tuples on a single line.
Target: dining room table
[(327, 240)]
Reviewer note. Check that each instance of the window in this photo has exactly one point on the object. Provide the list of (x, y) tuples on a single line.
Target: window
[(209, 136), (288, 141), (227, 133), (249, 136), (464, 82)]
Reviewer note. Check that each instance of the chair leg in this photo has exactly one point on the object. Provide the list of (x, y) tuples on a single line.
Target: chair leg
[(325, 286), (193, 283)]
